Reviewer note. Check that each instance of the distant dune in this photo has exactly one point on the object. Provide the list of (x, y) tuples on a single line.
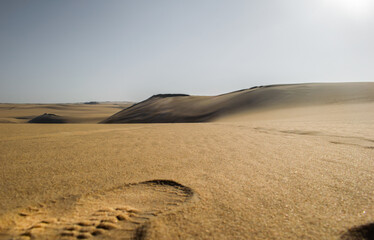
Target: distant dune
[(173, 108), (89, 112), (48, 118)]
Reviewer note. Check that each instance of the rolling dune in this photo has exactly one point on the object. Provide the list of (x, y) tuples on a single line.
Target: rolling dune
[(69, 113), (171, 108)]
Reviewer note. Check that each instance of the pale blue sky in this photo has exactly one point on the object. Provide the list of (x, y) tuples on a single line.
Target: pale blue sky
[(89, 50)]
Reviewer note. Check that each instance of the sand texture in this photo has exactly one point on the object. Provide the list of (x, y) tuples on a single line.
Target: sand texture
[(296, 172)]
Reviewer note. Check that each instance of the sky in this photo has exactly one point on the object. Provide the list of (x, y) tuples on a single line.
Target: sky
[(122, 50)]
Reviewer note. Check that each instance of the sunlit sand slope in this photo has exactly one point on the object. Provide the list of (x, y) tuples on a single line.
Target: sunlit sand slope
[(169, 109)]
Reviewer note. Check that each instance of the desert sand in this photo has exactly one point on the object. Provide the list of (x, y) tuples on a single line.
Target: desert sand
[(70, 113), (292, 171)]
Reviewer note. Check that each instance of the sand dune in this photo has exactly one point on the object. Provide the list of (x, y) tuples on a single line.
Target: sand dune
[(48, 118), (271, 170), (71, 113), (171, 108)]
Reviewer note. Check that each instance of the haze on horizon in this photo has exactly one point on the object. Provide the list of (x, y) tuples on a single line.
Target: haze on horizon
[(74, 51)]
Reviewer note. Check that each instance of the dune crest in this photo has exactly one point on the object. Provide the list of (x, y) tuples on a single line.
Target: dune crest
[(179, 108)]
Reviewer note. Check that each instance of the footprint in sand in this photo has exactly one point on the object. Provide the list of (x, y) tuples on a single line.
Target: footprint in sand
[(120, 213)]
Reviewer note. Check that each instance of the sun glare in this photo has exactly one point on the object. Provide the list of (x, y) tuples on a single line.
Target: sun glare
[(352, 8)]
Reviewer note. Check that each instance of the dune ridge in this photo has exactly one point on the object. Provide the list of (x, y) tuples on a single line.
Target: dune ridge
[(184, 108)]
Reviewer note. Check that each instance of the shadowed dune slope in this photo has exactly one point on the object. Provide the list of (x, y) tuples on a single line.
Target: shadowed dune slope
[(48, 118), (170, 108)]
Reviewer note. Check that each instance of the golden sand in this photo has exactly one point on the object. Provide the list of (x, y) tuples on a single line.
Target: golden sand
[(292, 173)]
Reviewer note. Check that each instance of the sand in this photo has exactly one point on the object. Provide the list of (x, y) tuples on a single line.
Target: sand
[(70, 113), (290, 173)]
